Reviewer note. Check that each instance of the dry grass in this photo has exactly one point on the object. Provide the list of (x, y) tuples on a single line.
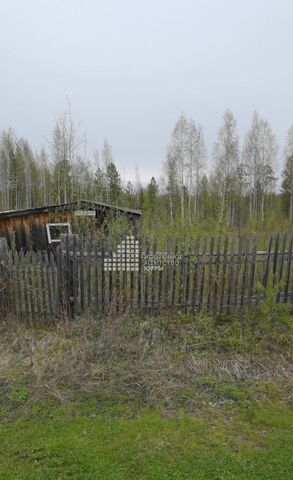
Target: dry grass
[(166, 363)]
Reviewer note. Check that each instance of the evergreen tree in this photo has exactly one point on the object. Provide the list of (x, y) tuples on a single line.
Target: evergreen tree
[(151, 195), (287, 174), (113, 184)]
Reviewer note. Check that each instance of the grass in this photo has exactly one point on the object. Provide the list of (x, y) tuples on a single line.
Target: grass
[(83, 443), (168, 398)]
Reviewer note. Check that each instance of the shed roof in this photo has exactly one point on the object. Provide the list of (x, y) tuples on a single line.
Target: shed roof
[(81, 204)]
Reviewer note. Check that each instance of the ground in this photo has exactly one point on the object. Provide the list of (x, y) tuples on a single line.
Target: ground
[(177, 398)]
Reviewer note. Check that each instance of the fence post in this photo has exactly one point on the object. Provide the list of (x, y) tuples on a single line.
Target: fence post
[(70, 242)]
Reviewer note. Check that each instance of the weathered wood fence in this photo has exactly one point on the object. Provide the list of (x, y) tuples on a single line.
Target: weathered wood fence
[(208, 274)]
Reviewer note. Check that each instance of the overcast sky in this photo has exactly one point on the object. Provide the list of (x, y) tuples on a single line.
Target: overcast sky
[(130, 67)]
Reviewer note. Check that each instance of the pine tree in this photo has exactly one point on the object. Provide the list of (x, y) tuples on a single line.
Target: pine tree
[(113, 184)]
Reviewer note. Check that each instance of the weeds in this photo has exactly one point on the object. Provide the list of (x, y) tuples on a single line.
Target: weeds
[(166, 362)]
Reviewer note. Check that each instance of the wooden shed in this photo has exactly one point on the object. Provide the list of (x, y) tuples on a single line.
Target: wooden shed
[(40, 228)]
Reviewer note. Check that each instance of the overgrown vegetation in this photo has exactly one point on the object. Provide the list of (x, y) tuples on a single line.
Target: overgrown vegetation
[(239, 193), (186, 397)]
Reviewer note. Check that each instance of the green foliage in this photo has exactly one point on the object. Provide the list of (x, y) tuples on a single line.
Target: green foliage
[(113, 184)]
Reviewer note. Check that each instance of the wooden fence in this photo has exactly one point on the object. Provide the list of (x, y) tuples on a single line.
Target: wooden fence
[(209, 274)]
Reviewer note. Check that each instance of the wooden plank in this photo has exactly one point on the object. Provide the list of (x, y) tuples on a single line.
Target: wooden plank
[(31, 288), (26, 289), (98, 266), (275, 264), (267, 264), (82, 281), (196, 264), (139, 278), (217, 275), (181, 275), (153, 280), (61, 280), (118, 287), (89, 276), (231, 272), (67, 259), (146, 282), (14, 293), (44, 292), (202, 277), (110, 281), (252, 271), (49, 289), (167, 294), (238, 271), (74, 278), (103, 296), (54, 280), (36, 286), (211, 282), (187, 285), (174, 275), (124, 278), (132, 261), (282, 258), (18, 283), (244, 273), (224, 272), (288, 270), (160, 285)]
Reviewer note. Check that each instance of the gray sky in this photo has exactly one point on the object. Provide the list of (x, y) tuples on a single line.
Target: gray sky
[(131, 67)]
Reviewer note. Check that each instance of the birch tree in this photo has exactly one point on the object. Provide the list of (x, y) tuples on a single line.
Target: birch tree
[(195, 162), (259, 155), (65, 145), (177, 155), (226, 158)]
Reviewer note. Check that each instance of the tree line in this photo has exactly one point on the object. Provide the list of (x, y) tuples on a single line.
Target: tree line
[(241, 186)]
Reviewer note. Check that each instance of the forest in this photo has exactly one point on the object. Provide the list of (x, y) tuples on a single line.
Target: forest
[(240, 191)]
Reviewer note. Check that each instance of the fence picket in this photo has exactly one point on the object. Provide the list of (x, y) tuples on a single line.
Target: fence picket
[(196, 264), (252, 271), (187, 284), (224, 272), (153, 279), (181, 273), (276, 253), (214, 274), (267, 264), (231, 272), (288, 269), (202, 278), (217, 275), (174, 274), (210, 284)]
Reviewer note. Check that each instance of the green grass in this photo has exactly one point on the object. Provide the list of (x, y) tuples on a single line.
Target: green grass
[(50, 442)]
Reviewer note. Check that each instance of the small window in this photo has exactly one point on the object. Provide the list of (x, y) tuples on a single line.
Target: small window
[(54, 231)]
